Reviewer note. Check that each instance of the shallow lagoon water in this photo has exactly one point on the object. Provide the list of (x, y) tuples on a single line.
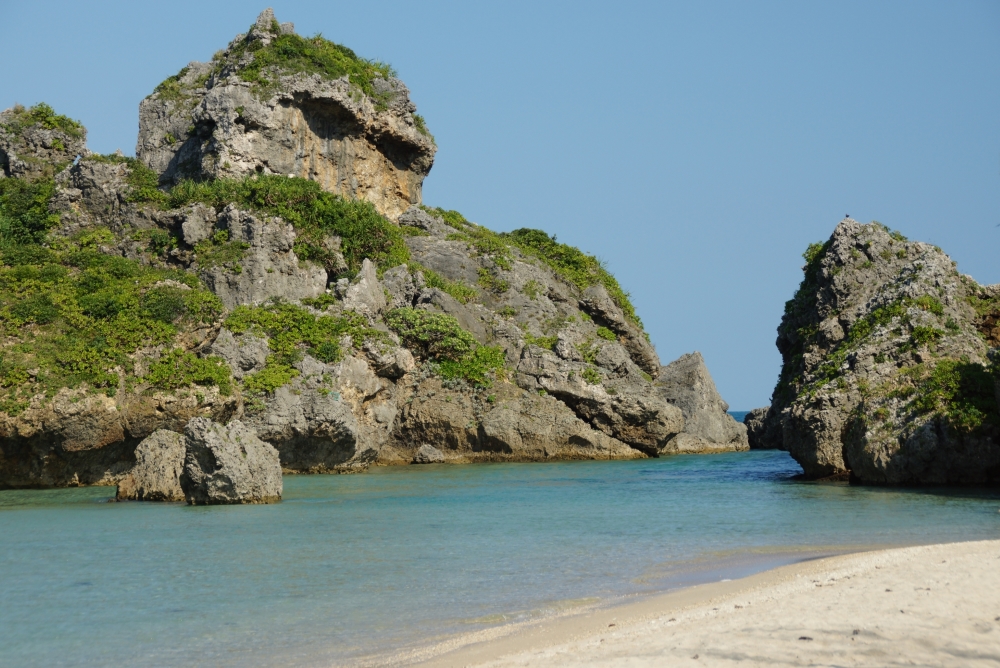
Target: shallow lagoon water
[(354, 566)]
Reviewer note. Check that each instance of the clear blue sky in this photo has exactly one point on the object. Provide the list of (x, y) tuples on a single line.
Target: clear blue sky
[(697, 148)]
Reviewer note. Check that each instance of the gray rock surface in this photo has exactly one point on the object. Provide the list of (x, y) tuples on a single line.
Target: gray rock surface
[(877, 323), (428, 454), (708, 427), (628, 410), (31, 150), (601, 307), (761, 432), (228, 464), (366, 296), (331, 418), (268, 268), (159, 461), (212, 123), (507, 424)]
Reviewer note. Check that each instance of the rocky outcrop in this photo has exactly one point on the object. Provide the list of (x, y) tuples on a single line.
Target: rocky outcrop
[(267, 266), (761, 429), (254, 110), (708, 427), (228, 464), (84, 438), (37, 143), (159, 461), (428, 454), (507, 424), (885, 372), (293, 328), (598, 303), (625, 409)]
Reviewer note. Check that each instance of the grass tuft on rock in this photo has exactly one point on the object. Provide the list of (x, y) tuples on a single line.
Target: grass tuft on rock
[(45, 116)]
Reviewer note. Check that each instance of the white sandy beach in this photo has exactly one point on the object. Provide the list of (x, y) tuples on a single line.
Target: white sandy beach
[(936, 605)]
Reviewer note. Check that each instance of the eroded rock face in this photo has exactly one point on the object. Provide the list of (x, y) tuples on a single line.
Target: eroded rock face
[(268, 268), (211, 122), (159, 461), (85, 438), (331, 418), (228, 464), (506, 424), (628, 410), (708, 427), (878, 326)]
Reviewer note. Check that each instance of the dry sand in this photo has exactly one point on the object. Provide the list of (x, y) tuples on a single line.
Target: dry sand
[(936, 605)]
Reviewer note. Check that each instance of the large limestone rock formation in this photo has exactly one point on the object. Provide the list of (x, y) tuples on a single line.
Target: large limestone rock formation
[(708, 427), (885, 373), (228, 464), (156, 476), (250, 110)]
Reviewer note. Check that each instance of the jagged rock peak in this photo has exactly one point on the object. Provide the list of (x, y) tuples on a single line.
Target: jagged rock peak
[(274, 102)]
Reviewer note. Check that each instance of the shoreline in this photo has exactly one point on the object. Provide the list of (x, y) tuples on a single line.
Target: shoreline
[(772, 615)]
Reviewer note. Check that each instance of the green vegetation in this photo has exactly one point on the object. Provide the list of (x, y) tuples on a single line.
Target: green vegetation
[(218, 251), (43, 115), (78, 316), (463, 293), (960, 391), (315, 214), (591, 375), (179, 368), (573, 265), (532, 288), (491, 283), (547, 342), (421, 126), (292, 330), (24, 211), (293, 54), (928, 303), (439, 338), (606, 334)]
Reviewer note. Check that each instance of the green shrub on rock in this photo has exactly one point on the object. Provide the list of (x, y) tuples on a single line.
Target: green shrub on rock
[(438, 338)]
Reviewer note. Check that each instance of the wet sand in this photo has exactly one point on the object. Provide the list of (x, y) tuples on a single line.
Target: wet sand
[(936, 605)]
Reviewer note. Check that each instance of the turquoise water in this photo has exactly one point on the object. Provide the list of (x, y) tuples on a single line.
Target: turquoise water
[(352, 566)]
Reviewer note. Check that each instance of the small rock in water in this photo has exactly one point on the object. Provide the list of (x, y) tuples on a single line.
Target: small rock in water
[(229, 464), (428, 454)]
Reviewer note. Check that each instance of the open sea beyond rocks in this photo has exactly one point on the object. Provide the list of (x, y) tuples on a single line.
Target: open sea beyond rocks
[(351, 568)]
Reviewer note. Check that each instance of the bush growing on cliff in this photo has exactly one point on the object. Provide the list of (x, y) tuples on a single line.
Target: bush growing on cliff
[(573, 265), (438, 338), (293, 54), (77, 315), (45, 116), (313, 212), (960, 391), (292, 330), (24, 211)]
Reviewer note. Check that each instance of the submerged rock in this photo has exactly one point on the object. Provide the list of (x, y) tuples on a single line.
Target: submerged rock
[(228, 464), (159, 462), (708, 427)]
